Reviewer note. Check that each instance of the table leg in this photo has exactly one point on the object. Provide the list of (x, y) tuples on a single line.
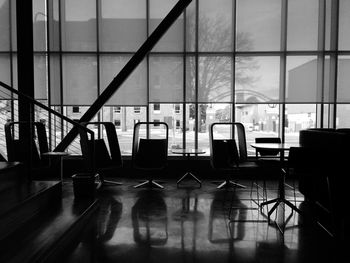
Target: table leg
[(277, 201)]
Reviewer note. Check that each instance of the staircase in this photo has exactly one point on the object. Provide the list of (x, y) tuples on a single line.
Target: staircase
[(40, 220)]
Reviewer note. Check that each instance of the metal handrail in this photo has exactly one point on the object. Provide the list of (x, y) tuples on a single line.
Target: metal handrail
[(37, 103)]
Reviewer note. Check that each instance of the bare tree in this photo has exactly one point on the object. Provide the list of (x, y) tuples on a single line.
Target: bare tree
[(215, 71)]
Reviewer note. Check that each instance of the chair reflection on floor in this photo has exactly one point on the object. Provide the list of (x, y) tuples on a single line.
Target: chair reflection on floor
[(221, 211), (110, 213), (189, 213), (109, 216), (149, 219)]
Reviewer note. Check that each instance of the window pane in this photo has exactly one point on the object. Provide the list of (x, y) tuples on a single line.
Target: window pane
[(215, 79), (328, 25), (215, 25), (5, 25), (258, 25), (343, 113), (166, 79), (124, 120), (123, 25), (329, 79), (55, 80), (343, 92), (190, 125), (40, 77), (54, 26), (302, 29), (259, 120), (79, 25), (190, 79), (191, 26), (172, 40), (302, 79), (205, 112), (39, 25), (79, 79), (257, 79), (344, 25), (5, 75), (167, 113), (208, 114), (134, 90), (298, 117)]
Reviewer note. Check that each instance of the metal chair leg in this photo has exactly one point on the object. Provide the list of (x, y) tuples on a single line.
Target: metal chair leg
[(229, 183), (149, 183)]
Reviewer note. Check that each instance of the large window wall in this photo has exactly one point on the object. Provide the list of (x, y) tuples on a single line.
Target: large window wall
[(277, 66)]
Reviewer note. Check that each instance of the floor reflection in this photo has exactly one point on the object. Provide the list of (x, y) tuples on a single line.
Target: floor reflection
[(227, 215), (191, 225), (110, 214), (149, 219)]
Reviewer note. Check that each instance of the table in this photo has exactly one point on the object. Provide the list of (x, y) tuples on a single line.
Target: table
[(60, 155), (188, 152), (281, 147)]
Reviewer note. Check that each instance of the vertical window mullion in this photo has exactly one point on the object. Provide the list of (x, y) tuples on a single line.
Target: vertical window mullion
[(233, 63), (147, 67), (184, 83), (283, 60), (48, 56), (335, 45), (11, 7), (320, 63), (60, 14), (98, 17), (196, 76)]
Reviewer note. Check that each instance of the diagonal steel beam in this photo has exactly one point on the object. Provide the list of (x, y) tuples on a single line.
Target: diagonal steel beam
[(127, 70)]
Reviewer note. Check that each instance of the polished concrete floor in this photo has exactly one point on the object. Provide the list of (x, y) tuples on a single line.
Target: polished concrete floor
[(200, 225)]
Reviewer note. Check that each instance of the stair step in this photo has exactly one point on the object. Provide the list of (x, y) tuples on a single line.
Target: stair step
[(11, 174), (23, 202), (53, 233)]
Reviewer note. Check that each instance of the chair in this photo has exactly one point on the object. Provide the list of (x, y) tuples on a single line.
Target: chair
[(297, 165), (107, 161), (224, 154), (32, 158), (150, 154), (267, 158)]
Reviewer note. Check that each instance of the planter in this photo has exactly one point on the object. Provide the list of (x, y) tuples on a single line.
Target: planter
[(84, 185)]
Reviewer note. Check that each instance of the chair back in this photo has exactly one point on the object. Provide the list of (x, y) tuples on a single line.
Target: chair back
[(225, 151), (265, 153), (15, 149), (103, 156), (150, 153)]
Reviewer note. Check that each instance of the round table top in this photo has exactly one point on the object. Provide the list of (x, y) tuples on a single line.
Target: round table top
[(56, 153), (274, 146), (188, 151)]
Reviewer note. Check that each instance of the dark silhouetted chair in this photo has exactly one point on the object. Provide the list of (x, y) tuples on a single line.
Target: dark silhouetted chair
[(32, 158), (108, 162), (225, 156), (150, 155)]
